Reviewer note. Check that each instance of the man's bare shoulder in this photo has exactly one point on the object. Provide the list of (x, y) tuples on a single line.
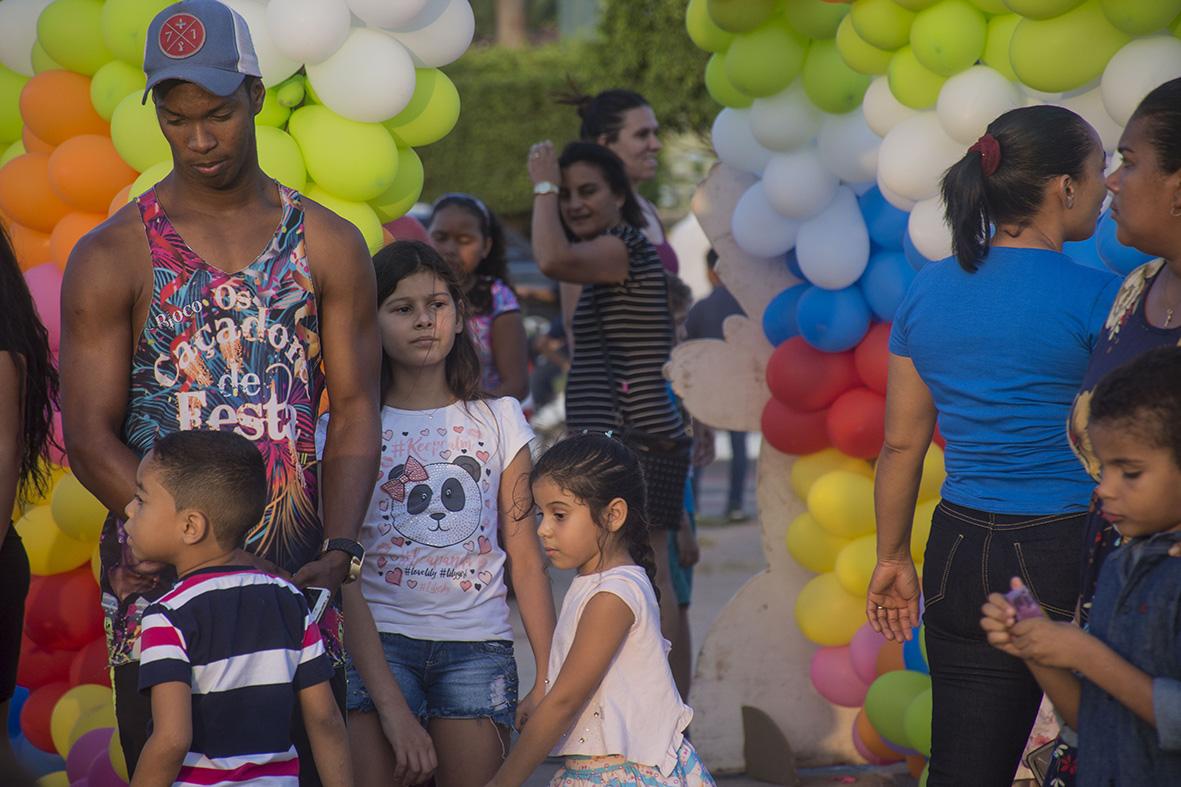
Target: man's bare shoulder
[(117, 247)]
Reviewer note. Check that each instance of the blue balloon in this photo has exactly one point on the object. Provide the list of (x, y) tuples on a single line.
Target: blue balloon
[(1116, 256), (886, 223), (1084, 252), (833, 321), (793, 264), (912, 655), (779, 318), (885, 282), (913, 255), (35, 761), (19, 695)]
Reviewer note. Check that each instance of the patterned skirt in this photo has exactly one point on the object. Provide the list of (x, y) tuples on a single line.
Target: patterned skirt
[(614, 771)]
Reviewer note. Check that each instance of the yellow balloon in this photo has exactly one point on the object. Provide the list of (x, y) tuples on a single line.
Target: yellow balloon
[(826, 613), (77, 512), (115, 753), (432, 112), (55, 474), (921, 528), (356, 161), (806, 469), (812, 546), (933, 473), (50, 550), (55, 779), (855, 564), (272, 113), (136, 133), (404, 191), (150, 177), (96, 565), (842, 502), (80, 710), (279, 157), (359, 214)]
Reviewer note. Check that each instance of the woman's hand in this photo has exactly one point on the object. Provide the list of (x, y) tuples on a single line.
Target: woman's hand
[(527, 705), (413, 748), (892, 606), (543, 163)]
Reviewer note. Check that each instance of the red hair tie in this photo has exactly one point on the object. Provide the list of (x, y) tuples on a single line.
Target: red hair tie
[(990, 153)]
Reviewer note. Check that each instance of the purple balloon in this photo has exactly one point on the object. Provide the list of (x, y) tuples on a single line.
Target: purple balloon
[(85, 749), (102, 773)]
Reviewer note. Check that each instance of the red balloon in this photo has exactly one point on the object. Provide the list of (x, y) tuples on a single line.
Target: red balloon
[(35, 714), (807, 379), (857, 423), (41, 666), (90, 665), (791, 431), (872, 356), (63, 611)]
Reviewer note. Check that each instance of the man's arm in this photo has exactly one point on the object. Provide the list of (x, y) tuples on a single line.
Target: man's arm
[(172, 734)]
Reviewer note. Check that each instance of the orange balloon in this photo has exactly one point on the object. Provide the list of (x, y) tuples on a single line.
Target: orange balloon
[(56, 106), (915, 764), (890, 658), (67, 232), (86, 172), (869, 736), (31, 247), (33, 143), (25, 194), (119, 200)]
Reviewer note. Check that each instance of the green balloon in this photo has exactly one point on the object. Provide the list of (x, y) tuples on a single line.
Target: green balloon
[(887, 700), (10, 110), (831, 84), (279, 157), (916, 720), (765, 61), (1041, 9), (150, 177), (858, 55), (124, 27), (703, 30), (991, 6), (12, 151), (916, 5), (42, 61), (926, 774), (273, 113), (996, 44), (1066, 52), (111, 83), (292, 90), (354, 161), (949, 37), (815, 18), (740, 16), (359, 214), (1141, 17), (1175, 27), (923, 642), (404, 191), (66, 29), (912, 83), (432, 112), (136, 133), (719, 86), (882, 23)]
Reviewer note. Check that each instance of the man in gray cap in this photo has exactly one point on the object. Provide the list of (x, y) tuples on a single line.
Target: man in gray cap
[(173, 319)]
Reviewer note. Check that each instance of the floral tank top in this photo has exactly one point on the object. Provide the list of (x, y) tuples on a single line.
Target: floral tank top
[(225, 351)]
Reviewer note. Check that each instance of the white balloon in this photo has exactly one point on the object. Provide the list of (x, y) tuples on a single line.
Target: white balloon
[(833, 248), (370, 79), (274, 65), (785, 120), (929, 230), (972, 99), (1142, 64), (849, 147), (897, 200), (387, 13), (914, 156), (735, 144), (758, 229), (18, 31), (882, 110), (439, 34), (798, 185), (1091, 107), (308, 31)]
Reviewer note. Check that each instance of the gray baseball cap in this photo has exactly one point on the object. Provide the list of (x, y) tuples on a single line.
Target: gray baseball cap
[(200, 41)]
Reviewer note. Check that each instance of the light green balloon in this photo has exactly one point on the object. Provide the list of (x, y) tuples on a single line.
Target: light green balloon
[(888, 698), (991, 6), (882, 23), (926, 774), (831, 84), (111, 83), (124, 27), (136, 133), (703, 31), (815, 18), (273, 113), (857, 54), (292, 90), (996, 44), (150, 177), (354, 161), (67, 30), (12, 151), (949, 37), (916, 720), (279, 157), (404, 191), (916, 5), (912, 83), (10, 110), (42, 61), (1141, 17), (359, 214), (740, 16), (1041, 9), (1175, 27), (1066, 52), (765, 61), (432, 112), (719, 86)]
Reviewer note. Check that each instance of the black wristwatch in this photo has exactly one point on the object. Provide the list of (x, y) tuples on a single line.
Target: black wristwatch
[(353, 549)]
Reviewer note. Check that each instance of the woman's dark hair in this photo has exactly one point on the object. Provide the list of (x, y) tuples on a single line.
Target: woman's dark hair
[(602, 114), (405, 258), (495, 264), (23, 334), (597, 469), (1037, 144), (1161, 112), (613, 172), (1143, 398)]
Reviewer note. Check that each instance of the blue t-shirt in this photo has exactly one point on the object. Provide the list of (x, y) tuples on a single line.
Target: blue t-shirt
[(1003, 351)]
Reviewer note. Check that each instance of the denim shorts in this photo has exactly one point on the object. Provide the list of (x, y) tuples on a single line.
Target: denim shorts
[(446, 680)]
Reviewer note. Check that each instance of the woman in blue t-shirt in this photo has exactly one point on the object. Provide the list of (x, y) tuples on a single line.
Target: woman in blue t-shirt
[(995, 343)]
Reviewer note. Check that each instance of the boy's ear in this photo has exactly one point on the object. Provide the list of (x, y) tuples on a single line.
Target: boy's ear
[(195, 527), (616, 514)]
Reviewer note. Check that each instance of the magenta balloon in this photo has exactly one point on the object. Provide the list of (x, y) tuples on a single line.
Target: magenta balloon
[(834, 678), (85, 749), (102, 774), (863, 651)]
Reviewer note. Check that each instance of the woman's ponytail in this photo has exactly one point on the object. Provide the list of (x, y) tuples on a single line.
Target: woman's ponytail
[(968, 214)]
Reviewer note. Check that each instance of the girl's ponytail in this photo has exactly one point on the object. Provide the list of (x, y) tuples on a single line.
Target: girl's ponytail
[(640, 550)]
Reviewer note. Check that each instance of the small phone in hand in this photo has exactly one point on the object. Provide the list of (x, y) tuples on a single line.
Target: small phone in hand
[(318, 599), (1024, 602)]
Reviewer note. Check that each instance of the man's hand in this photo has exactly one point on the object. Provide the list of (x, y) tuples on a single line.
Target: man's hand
[(413, 748), (1049, 643), (329, 571)]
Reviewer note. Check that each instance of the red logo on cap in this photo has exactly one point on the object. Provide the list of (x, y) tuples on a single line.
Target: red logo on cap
[(181, 36)]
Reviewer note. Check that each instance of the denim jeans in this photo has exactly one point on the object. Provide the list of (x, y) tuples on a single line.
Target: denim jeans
[(984, 701)]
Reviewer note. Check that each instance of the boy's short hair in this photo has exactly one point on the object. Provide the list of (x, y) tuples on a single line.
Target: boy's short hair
[(220, 474), (1145, 396)]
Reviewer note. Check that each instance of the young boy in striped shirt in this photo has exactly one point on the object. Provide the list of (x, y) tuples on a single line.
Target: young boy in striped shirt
[(230, 650)]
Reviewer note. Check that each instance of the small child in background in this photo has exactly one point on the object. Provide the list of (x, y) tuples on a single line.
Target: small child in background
[(612, 708), (1118, 683), (229, 651)]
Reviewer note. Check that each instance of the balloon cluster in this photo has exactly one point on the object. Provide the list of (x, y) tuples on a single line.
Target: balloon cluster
[(353, 86)]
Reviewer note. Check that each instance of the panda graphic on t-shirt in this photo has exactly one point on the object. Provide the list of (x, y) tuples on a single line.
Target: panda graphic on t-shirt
[(437, 505)]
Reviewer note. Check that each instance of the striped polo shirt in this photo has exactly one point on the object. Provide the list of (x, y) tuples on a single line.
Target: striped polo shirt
[(246, 645)]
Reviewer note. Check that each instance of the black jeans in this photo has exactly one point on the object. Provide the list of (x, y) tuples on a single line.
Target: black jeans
[(984, 701)]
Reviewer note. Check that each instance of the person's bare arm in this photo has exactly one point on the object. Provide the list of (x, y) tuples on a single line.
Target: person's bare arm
[(510, 353), (11, 434), (326, 733), (172, 734)]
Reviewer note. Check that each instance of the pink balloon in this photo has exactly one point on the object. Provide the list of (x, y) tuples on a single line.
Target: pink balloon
[(863, 650), (835, 679), (45, 285), (864, 751), (85, 749), (102, 774)]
